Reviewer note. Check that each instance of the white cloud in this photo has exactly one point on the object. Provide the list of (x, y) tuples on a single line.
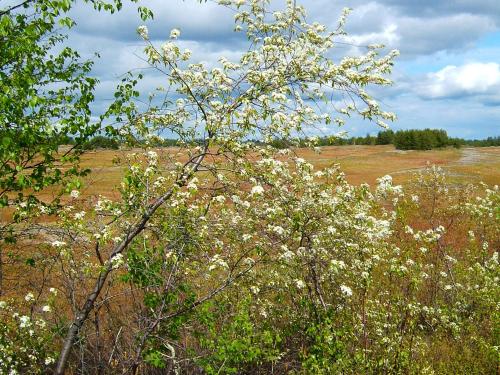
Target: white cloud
[(415, 36), (458, 81), (430, 34), (388, 36)]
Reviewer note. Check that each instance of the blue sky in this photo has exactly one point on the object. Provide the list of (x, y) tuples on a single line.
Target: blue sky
[(447, 76)]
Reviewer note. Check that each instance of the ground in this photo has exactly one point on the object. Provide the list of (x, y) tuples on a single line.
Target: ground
[(360, 164)]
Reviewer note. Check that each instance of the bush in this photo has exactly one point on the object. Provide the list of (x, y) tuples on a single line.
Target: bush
[(100, 142), (426, 139)]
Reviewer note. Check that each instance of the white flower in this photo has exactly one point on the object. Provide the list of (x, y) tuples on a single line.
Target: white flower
[(220, 198), (143, 31), (25, 321), (346, 290), (300, 284), (117, 261), (29, 297), (74, 194), (287, 255), (278, 230), (46, 308), (180, 103), (79, 215), (3, 304), (58, 243), (152, 155), (331, 230), (186, 55), (174, 34), (53, 291), (257, 190), (49, 360)]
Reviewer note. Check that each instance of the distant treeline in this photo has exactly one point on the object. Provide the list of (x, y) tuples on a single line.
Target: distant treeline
[(413, 139)]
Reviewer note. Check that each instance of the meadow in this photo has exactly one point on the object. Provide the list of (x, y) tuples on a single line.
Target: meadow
[(332, 278), (361, 164)]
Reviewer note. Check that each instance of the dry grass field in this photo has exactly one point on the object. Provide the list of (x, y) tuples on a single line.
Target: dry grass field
[(360, 163)]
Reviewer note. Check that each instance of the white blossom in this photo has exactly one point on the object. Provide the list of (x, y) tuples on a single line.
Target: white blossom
[(257, 190), (143, 31), (175, 33), (58, 243), (346, 290)]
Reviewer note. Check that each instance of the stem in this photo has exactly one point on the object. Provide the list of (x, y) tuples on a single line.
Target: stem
[(84, 312)]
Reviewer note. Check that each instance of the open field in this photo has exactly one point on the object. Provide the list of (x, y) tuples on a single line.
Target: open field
[(70, 266), (360, 163), (367, 163)]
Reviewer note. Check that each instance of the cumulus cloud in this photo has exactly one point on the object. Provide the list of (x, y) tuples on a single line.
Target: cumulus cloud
[(205, 22), (415, 36), (432, 8), (429, 33), (420, 36), (459, 81)]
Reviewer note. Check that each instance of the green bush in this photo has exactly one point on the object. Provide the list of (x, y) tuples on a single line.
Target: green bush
[(100, 142)]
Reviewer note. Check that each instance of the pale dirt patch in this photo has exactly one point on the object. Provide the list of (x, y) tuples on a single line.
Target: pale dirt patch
[(470, 156)]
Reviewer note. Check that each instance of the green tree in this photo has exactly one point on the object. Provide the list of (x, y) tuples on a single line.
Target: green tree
[(385, 137), (46, 91)]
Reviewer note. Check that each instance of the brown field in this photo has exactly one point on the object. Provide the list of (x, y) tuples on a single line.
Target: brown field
[(359, 163)]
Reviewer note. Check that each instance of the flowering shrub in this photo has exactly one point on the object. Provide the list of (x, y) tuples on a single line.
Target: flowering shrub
[(25, 340), (349, 286)]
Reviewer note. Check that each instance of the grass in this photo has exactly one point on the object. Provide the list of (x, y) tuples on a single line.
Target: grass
[(361, 164)]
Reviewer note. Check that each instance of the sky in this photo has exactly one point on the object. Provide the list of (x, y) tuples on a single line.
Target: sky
[(447, 75)]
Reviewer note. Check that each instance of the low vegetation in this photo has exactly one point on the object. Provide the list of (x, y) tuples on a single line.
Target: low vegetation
[(328, 278), (426, 139)]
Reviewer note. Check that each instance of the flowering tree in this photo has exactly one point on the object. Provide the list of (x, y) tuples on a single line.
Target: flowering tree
[(272, 90)]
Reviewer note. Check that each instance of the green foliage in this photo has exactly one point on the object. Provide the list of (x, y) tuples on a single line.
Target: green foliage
[(488, 142), (236, 344), (45, 95), (44, 98), (426, 139), (404, 139), (101, 142), (25, 342), (421, 302), (230, 256), (385, 137)]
